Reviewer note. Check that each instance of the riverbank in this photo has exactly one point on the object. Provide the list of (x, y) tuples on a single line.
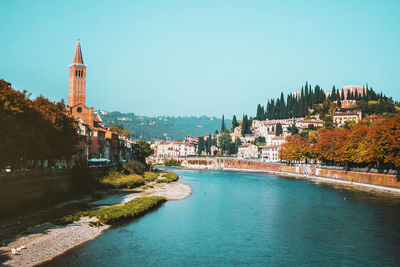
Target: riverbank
[(361, 186), (388, 181), (46, 241)]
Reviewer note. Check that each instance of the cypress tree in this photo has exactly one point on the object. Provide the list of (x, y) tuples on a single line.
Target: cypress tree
[(259, 114), (279, 129), (244, 125), (234, 123), (200, 145), (223, 129), (209, 144)]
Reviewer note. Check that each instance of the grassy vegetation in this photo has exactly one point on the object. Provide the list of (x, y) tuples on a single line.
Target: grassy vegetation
[(168, 177), (151, 176), (119, 180), (134, 174), (118, 213)]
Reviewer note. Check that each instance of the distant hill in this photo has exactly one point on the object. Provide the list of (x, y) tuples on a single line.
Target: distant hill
[(163, 127)]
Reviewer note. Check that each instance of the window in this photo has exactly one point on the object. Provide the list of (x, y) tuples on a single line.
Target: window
[(79, 110)]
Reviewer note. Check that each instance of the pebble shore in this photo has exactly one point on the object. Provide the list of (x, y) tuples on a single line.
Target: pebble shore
[(52, 240)]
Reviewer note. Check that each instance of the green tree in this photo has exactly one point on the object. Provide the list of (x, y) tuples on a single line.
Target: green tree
[(244, 125), (200, 145), (234, 123), (223, 128), (279, 129), (143, 151), (208, 144), (293, 129), (328, 122)]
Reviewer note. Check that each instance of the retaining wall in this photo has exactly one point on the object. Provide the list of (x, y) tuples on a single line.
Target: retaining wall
[(390, 180), (39, 189)]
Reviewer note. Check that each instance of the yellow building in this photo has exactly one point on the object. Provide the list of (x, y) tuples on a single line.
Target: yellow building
[(339, 118)]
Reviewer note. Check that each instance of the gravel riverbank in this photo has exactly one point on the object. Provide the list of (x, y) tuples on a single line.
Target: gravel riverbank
[(47, 240)]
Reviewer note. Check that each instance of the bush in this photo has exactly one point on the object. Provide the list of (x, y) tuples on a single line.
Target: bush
[(118, 180), (118, 213), (150, 176), (134, 167), (171, 162)]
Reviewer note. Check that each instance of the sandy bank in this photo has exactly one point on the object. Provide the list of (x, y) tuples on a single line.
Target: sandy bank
[(46, 241)]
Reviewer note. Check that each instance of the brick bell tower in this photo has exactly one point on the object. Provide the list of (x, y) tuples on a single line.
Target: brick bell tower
[(77, 89), (77, 79)]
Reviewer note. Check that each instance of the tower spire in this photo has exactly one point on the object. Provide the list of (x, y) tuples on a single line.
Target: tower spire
[(78, 54), (77, 79)]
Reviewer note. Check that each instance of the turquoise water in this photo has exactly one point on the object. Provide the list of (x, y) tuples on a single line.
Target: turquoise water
[(254, 220)]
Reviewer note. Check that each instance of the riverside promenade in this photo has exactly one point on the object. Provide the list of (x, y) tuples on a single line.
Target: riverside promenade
[(373, 179)]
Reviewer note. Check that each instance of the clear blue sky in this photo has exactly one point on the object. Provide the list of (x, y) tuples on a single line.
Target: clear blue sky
[(199, 57)]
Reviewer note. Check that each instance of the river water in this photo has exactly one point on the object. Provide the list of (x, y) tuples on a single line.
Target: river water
[(254, 220)]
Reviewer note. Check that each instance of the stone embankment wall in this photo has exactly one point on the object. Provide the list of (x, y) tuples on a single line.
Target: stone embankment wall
[(28, 191), (389, 180)]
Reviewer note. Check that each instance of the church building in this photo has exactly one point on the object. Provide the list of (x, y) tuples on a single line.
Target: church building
[(77, 89), (91, 131)]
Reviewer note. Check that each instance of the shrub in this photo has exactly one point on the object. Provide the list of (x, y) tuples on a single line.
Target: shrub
[(171, 162), (134, 167), (119, 180), (150, 176)]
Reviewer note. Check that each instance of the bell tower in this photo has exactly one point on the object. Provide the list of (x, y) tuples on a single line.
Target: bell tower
[(77, 79)]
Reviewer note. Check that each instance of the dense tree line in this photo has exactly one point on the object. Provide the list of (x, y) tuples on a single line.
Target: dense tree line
[(374, 142), (295, 105), (299, 104), (36, 129)]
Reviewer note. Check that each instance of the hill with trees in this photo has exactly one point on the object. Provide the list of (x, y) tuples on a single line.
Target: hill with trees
[(162, 127)]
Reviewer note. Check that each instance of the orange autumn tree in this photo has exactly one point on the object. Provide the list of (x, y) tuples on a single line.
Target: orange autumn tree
[(374, 142), (330, 147), (295, 149), (359, 148), (386, 142)]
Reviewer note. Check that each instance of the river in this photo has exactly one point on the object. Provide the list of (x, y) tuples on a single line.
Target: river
[(255, 220)]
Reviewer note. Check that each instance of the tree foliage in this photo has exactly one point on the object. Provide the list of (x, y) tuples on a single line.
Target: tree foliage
[(36, 129), (143, 151), (374, 142)]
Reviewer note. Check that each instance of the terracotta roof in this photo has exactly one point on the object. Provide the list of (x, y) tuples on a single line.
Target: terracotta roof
[(246, 145), (311, 121), (272, 146), (78, 54), (278, 137), (98, 129), (345, 113), (96, 119)]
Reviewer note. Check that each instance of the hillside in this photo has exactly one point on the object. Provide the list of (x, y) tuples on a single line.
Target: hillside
[(163, 127)]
